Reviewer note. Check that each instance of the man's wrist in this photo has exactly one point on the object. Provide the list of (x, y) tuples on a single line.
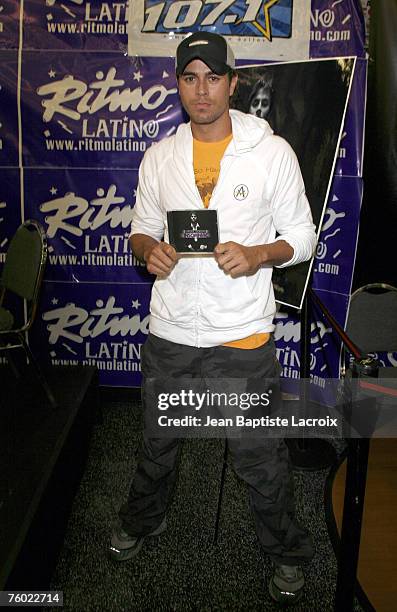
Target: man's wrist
[(274, 253), (142, 245), (262, 254)]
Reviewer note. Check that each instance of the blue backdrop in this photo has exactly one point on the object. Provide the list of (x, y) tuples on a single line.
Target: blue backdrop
[(76, 116)]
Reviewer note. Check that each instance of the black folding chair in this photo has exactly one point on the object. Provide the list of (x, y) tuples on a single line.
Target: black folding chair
[(372, 327), (22, 276), (372, 323)]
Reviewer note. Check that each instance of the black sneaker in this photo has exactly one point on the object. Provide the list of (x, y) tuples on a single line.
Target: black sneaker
[(287, 584), (123, 546)]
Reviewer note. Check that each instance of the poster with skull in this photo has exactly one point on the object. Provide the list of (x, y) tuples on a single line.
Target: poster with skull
[(305, 103)]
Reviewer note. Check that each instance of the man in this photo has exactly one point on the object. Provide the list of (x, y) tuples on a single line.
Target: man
[(213, 316), (194, 226)]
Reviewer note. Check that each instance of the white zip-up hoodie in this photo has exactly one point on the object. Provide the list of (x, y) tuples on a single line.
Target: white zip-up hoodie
[(259, 192)]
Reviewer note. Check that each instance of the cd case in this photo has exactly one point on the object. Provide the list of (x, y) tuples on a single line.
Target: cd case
[(193, 231)]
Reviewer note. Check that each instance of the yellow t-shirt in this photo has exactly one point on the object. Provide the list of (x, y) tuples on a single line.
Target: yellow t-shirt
[(206, 163)]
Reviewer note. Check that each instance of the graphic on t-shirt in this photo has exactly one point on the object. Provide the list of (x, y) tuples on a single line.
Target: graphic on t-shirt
[(206, 164), (206, 184)]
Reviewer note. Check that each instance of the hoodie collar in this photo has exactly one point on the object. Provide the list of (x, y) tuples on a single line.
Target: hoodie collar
[(248, 131)]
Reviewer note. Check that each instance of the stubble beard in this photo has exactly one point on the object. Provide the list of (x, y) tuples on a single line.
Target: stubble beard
[(206, 118)]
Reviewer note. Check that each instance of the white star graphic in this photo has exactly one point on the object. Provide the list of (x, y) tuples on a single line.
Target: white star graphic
[(52, 74), (135, 304), (138, 76), (53, 191), (54, 301)]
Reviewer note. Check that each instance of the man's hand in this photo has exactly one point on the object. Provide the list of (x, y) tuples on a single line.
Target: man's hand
[(238, 260), (160, 259)]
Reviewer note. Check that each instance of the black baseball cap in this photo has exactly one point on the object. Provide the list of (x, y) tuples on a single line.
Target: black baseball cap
[(211, 48)]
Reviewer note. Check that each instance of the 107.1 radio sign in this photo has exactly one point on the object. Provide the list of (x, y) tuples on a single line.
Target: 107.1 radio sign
[(155, 26)]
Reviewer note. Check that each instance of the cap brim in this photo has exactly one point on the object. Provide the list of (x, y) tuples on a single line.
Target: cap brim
[(216, 67)]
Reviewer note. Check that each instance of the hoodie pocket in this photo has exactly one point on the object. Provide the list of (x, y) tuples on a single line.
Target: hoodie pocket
[(254, 284), (171, 304)]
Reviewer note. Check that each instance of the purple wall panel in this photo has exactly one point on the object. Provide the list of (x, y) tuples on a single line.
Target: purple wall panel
[(88, 112)]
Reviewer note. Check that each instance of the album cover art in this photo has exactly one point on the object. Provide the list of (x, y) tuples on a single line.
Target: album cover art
[(193, 231)]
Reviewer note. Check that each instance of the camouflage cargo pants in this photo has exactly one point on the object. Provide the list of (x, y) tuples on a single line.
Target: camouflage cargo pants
[(262, 463)]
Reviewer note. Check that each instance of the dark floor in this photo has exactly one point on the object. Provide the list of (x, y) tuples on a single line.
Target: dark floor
[(42, 458), (182, 570)]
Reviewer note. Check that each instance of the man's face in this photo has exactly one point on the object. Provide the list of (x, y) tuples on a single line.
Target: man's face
[(204, 94)]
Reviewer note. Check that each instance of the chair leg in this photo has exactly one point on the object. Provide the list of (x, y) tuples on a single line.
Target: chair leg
[(39, 372), (220, 496), (11, 363)]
